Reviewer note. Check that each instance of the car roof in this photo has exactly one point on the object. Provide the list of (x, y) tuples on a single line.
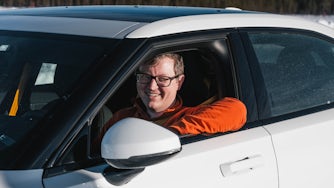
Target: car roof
[(221, 21), (97, 21), (128, 13), (120, 21)]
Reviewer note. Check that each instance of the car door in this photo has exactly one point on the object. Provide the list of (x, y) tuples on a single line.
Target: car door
[(297, 67), (235, 160), (244, 158)]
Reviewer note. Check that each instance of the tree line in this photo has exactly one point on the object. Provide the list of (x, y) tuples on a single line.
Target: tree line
[(274, 6)]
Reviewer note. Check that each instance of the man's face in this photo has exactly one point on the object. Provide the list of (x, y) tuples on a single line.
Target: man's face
[(157, 99)]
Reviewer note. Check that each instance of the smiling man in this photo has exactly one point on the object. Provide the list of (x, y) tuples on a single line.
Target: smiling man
[(158, 82)]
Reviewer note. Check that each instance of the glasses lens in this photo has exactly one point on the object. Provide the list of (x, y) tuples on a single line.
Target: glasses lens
[(163, 81), (143, 78)]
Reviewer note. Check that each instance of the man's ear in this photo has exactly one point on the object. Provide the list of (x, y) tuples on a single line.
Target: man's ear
[(181, 80)]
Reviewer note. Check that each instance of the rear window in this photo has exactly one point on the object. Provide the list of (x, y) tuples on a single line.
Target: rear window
[(297, 69)]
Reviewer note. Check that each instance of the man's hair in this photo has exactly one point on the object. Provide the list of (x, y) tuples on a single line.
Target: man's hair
[(178, 62)]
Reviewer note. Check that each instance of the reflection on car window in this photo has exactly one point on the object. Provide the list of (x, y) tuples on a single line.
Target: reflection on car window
[(297, 70), (46, 74)]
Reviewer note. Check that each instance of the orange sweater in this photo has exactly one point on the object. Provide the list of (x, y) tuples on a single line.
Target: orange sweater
[(227, 114)]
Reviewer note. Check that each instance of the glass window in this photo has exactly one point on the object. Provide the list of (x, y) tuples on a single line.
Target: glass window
[(297, 70), (37, 71)]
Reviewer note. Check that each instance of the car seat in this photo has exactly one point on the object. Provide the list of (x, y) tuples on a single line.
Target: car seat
[(199, 84)]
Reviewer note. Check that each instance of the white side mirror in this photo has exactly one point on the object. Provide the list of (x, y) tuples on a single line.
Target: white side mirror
[(135, 143)]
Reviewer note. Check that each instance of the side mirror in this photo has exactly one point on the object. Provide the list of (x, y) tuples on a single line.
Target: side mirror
[(135, 143)]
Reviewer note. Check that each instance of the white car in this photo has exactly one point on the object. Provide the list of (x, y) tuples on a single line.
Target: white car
[(65, 70)]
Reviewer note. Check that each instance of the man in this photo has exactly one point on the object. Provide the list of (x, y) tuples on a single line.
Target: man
[(158, 82)]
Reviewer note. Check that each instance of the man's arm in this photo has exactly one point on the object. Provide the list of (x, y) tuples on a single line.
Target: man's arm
[(227, 114)]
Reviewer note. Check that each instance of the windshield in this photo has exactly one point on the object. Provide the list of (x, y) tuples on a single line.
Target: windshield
[(37, 71)]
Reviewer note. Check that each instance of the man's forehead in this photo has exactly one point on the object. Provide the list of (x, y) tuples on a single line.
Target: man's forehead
[(157, 62)]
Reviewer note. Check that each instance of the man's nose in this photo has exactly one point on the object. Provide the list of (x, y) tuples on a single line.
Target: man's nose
[(153, 84)]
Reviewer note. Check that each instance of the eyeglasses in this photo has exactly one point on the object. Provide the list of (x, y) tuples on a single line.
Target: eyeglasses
[(162, 81)]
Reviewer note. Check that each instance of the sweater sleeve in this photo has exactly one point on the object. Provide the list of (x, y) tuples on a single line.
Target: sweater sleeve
[(227, 114)]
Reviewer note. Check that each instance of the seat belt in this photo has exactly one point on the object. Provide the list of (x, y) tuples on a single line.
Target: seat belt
[(19, 91), (15, 104)]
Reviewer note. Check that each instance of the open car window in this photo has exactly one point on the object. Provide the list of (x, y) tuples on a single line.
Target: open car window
[(200, 86)]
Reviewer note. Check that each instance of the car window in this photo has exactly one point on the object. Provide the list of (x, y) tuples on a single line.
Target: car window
[(297, 70), (37, 71)]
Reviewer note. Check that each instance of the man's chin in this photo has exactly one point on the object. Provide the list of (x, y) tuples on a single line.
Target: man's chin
[(154, 108)]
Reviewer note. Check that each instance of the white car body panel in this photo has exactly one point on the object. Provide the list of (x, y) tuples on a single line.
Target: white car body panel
[(220, 21), (186, 170), (304, 149), (21, 178)]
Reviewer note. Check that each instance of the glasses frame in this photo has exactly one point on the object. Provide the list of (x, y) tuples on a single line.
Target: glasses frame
[(156, 79)]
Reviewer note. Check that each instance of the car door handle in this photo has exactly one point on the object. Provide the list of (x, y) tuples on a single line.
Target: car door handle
[(241, 166)]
